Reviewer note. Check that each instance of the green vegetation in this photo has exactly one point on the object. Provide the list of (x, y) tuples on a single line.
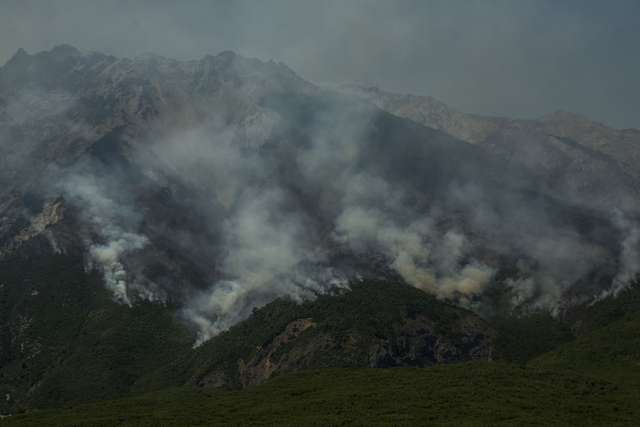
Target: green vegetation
[(626, 304), (520, 339), (471, 394), (591, 380), (349, 324), (611, 351), (65, 342), (64, 339)]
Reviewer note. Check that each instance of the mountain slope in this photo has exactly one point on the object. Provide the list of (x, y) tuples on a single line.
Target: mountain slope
[(164, 160), (64, 339), (371, 325), (608, 340), (590, 381), (589, 158)]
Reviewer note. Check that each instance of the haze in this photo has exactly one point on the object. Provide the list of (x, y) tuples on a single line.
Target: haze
[(518, 59)]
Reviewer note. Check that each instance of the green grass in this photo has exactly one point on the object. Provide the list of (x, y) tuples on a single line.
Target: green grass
[(611, 352), (473, 394)]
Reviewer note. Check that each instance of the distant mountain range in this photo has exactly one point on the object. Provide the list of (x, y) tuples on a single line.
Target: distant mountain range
[(562, 145)]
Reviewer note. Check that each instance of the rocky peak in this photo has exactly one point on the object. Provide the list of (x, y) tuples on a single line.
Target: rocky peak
[(102, 92), (20, 55), (564, 116), (66, 68), (65, 50), (427, 111)]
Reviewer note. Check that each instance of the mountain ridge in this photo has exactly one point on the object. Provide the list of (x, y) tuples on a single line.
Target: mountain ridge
[(107, 133)]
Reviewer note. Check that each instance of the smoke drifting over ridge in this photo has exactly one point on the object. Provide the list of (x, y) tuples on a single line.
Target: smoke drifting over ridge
[(269, 241), (273, 241), (274, 247), (221, 184)]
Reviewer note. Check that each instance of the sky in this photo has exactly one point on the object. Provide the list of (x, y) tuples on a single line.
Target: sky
[(517, 58)]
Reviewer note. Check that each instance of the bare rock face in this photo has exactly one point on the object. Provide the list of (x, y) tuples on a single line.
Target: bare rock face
[(264, 363), (53, 231), (416, 342), (52, 214)]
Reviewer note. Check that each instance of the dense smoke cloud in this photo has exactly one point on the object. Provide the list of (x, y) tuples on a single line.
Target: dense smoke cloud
[(267, 255), (269, 244), (266, 242), (266, 247), (257, 185)]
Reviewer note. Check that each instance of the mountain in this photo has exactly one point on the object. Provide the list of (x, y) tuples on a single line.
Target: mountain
[(586, 158), (220, 221)]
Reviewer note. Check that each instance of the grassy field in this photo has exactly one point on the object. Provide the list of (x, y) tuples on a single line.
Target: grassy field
[(611, 353), (473, 394)]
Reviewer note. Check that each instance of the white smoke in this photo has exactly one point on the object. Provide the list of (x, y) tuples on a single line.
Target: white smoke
[(267, 256), (270, 247), (271, 208), (266, 245), (416, 251), (108, 219), (250, 195), (629, 260), (108, 256)]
